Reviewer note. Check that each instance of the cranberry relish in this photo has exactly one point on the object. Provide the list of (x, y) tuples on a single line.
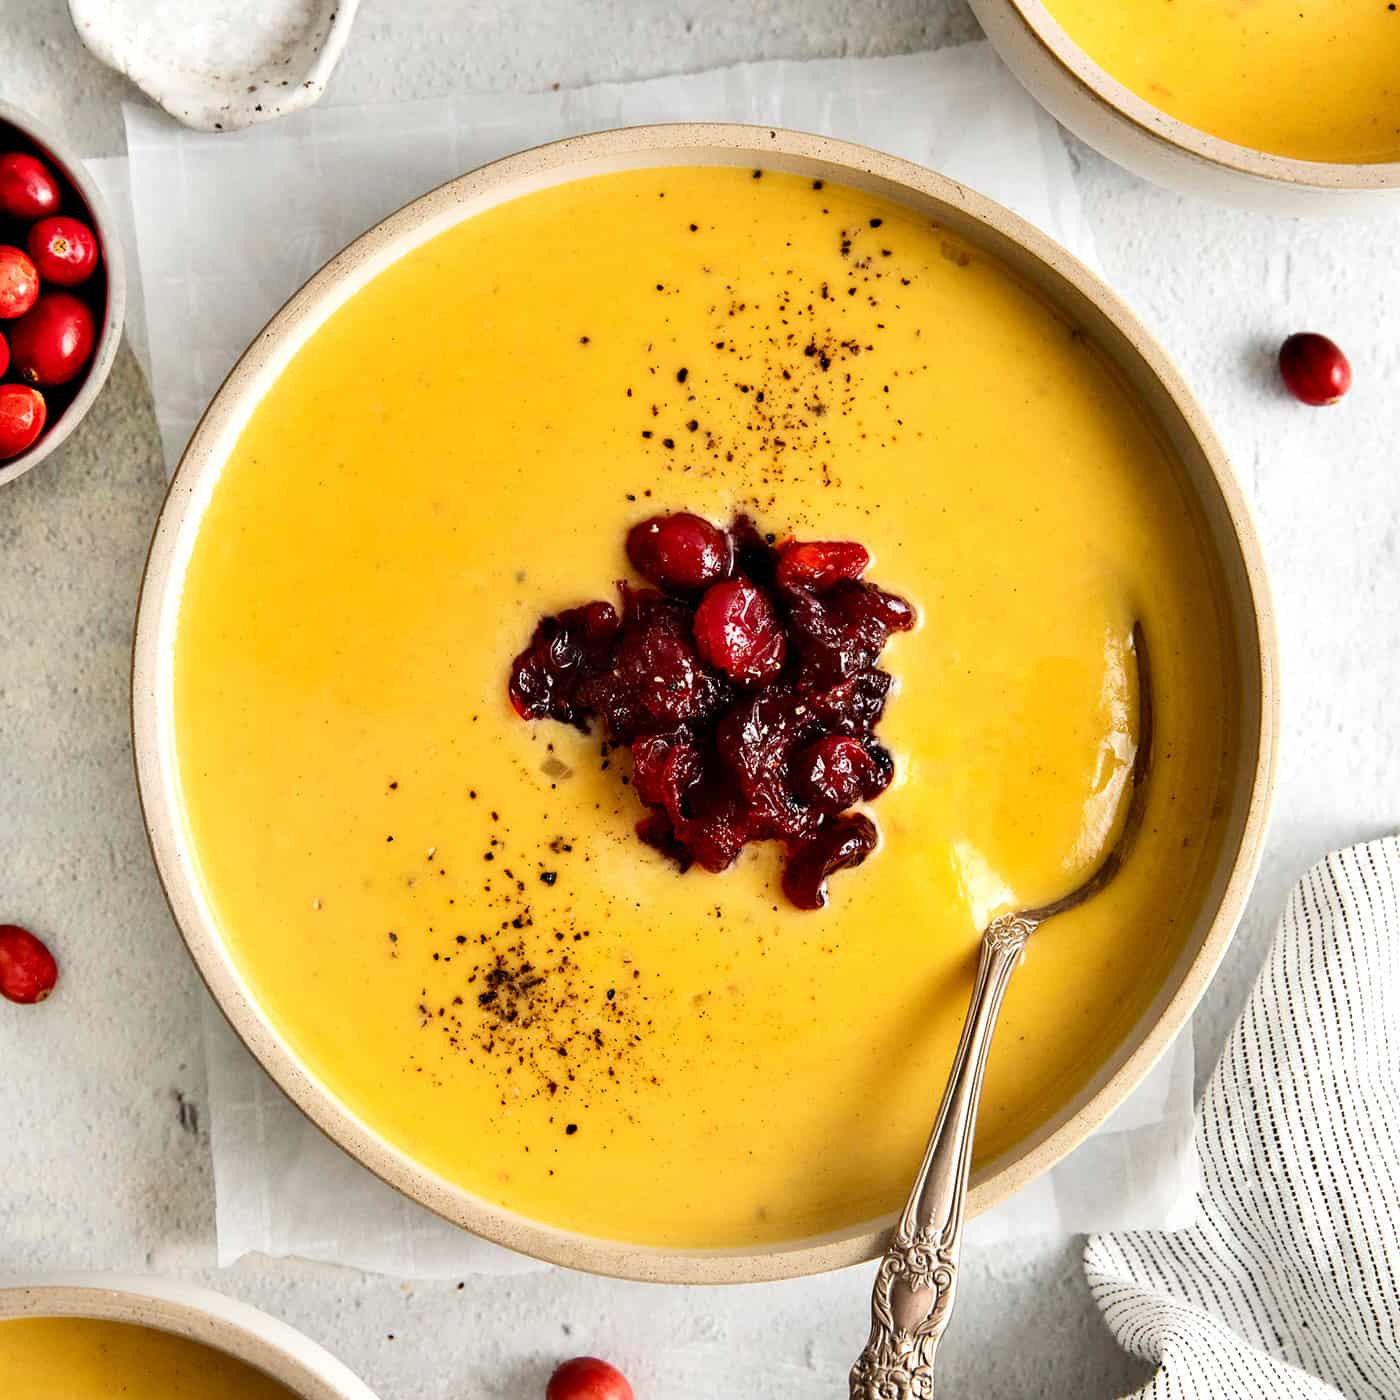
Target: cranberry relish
[(745, 684)]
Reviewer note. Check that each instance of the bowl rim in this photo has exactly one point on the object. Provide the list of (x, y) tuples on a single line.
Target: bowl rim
[(157, 779), (1121, 101), (199, 1314), (109, 336)]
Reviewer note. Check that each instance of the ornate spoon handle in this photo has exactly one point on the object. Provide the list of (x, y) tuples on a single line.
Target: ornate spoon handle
[(914, 1288)]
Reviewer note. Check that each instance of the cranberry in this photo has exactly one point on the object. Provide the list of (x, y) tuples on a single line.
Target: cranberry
[(27, 968), (737, 631), (843, 843), (53, 340), (64, 250), (587, 1378), (680, 552), (665, 769), (28, 189), (546, 675), (833, 773), (19, 283), (1314, 369), (820, 564), (853, 706), (756, 740), (22, 415), (4, 354), (657, 681)]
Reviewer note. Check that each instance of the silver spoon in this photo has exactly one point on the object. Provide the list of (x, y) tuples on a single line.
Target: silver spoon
[(913, 1295)]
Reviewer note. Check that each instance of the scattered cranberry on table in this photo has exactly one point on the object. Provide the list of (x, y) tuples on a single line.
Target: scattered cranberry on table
[(52, 341), (63, 249), (27, 968), (587, 1378), (23, 414), (28, 189), (19, 282), (1314, 369)]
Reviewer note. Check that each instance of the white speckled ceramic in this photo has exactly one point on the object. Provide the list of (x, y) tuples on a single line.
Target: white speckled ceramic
[(224, 1324), (1083, 300), (1144, 139), (218, 65), (110, 318)]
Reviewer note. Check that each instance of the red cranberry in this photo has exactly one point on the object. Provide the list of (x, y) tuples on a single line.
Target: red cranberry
[(22, 415), (657, 680), (680, 552), (28, 971), (64, 250), (1314, 369), (833, 773), (755, 741), (28, 189), (587, 1378), (718, 831), (19, 283), (839, 845), (820, 564), (665, 769), (53, 340), (738, 632), (545, 677)]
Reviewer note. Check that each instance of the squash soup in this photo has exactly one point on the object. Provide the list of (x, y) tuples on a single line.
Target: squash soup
[(1313, 81), (446, 910), (78, 1358)]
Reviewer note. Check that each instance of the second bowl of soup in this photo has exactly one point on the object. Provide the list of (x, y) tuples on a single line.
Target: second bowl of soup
[(1274, 105)]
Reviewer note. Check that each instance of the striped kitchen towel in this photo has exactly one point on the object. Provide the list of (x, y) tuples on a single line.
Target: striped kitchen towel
[(1290, 1286)]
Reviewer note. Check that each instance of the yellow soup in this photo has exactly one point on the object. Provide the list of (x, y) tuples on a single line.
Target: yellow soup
[(1311, 79), (75, 1358), (686, 1060)]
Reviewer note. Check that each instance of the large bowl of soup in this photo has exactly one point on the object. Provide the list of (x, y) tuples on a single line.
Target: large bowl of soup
[(91, 1336), (433, 921), (1271, 105)]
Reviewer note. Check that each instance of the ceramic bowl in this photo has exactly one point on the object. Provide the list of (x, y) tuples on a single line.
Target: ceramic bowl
[(1125, 128), (68, 404), (234, 1328), (1085, 302)]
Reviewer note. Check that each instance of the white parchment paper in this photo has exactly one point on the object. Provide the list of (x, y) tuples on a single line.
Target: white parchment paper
[(228, 226)]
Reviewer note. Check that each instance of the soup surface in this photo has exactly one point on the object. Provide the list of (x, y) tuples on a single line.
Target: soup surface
[(1318, 80), (446, 910), (77, 1358)]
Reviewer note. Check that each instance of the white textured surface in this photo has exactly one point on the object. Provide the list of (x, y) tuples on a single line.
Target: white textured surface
[(102, 1159)]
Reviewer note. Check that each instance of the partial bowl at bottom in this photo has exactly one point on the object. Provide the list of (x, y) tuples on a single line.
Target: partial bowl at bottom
[(196, 1314)]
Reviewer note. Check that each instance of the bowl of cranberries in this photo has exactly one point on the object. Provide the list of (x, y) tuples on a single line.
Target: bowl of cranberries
[(62, 293)]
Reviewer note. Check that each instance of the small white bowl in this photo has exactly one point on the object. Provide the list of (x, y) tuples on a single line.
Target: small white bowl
[(110, 318), (223, 1324), (1098, 109)]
